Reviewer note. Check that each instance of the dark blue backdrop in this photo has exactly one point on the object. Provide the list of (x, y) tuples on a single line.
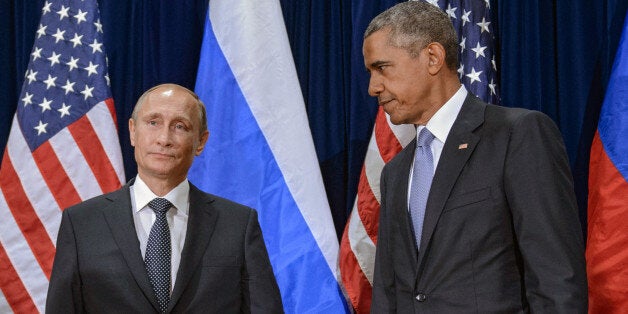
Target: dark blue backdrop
[(554, 56)]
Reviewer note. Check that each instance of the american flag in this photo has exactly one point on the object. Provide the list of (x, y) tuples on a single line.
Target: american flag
[(478, 72), (63, 147)]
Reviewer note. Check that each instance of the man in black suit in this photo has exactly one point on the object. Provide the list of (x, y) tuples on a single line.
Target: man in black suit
[(159, 244), (484, 219)]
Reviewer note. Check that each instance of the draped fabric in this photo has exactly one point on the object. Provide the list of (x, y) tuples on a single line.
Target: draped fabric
[(554, 56), (63, 147), (260, 152), (608, 195)]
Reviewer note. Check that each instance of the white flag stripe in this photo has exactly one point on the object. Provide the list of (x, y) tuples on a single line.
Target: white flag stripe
[(259, 88), (41, 199), (21, 256), (103, 123), (361, 244), (373, 166), (404, 133), (74, 164), (4, 305)]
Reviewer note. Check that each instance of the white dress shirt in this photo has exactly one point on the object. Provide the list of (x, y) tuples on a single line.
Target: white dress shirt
[(439, 125), (177, 218)]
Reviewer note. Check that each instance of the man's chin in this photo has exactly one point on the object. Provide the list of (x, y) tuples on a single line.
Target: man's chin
[(395, 120), (159, 172)]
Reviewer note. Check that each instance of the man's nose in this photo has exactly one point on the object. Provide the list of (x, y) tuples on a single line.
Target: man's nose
[(164, 137), (375, 86)]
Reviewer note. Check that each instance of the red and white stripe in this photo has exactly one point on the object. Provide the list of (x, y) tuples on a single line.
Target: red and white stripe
[(82, 161), (357, 247)]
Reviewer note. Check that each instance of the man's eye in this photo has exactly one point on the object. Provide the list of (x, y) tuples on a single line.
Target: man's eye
[(152, 122), (180, 126)]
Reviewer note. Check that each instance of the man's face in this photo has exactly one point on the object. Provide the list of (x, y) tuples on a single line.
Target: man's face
[(400, 81), (166, 134)]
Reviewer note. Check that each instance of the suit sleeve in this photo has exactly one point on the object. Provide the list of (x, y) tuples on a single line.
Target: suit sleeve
[(384, 277), (260, 290), (64, 293), (539, 190)]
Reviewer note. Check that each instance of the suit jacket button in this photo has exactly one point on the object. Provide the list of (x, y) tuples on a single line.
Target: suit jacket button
[(421, 297)]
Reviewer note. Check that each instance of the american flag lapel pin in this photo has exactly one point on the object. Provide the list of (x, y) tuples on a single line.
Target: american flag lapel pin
[(463, 146)]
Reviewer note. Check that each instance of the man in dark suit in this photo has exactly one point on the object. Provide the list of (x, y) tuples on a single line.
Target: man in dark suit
[(478, 214), (159, 244)]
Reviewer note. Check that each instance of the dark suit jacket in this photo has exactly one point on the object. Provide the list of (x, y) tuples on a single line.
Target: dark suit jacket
[(501, 232), (98, 267)]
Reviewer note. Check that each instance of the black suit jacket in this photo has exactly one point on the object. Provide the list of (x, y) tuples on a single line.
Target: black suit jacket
[(501, 232), (98, 267)]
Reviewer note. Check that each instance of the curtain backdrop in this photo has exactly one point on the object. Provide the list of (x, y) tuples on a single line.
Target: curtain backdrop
[(554, 56)]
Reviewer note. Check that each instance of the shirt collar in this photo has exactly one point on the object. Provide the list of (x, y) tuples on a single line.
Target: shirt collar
[(442, 121), (177, 196)]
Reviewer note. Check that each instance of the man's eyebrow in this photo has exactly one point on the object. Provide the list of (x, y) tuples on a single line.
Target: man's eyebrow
[(378, 63), (156, 114), (153, 115)]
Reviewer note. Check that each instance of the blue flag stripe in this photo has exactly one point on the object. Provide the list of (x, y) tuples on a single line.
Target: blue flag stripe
[(613, 124)]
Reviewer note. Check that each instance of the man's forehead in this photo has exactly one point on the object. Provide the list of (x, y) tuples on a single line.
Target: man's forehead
[(159, 106)]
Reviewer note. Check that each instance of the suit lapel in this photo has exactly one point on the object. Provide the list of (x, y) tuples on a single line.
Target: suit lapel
[(402, 213), (459, 146), (201, 221), (119, 217)]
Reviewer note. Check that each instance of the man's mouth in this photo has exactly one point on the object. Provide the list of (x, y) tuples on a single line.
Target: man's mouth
[(161, 155), (384, 101)]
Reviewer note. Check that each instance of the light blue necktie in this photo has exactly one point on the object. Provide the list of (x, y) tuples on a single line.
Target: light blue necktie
[(422, 175), (158, 252)]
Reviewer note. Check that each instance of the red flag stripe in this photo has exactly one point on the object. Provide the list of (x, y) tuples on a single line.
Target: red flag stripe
[(25, 216), (12, 287), (112, 111), (606, 252), (355, 282), (103, 120), (387, 142), (93, 151), (55, 176), (367, 207)]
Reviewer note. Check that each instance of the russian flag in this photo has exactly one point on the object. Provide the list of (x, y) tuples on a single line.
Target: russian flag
[(607, 242), (260, 150)]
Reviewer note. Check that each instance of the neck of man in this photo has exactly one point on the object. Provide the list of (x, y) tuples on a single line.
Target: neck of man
[(441, 92)]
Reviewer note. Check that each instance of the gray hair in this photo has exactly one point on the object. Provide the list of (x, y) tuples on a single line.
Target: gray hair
[(415, 24), (199, 104)]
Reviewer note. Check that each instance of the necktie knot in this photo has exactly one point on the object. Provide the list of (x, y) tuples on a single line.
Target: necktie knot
[(425, 138), (160, 206)]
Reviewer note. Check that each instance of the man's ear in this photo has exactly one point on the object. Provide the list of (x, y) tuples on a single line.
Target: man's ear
[(132, 131), (436, 56), (202, 141)]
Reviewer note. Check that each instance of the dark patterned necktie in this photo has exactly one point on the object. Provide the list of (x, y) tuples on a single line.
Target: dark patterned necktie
[(421, 182), (158, 252)]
